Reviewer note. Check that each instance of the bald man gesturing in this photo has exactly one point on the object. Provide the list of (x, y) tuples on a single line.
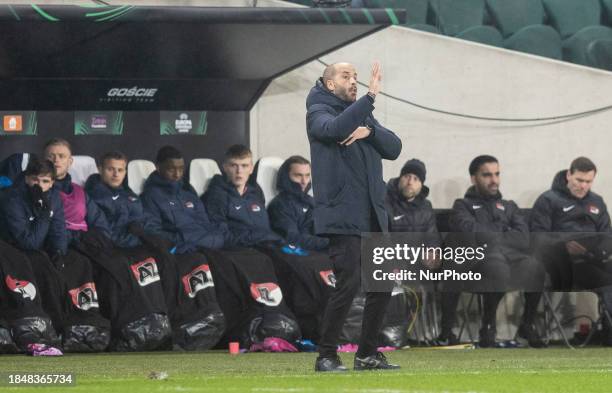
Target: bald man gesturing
[(347, 146)]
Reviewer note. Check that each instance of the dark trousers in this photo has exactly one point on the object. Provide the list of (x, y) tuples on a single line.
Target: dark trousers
[(345, 253), (490, 301)]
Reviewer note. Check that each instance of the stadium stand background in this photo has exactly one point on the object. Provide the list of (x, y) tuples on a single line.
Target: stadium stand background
[(462, 77)]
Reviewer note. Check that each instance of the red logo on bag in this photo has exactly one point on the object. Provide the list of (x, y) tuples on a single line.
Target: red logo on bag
[(23, 287), (328, 277), (198, 279), (145, 272), (85, 297), (267, 293)]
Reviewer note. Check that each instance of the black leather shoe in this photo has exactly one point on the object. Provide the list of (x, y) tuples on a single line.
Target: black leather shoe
[(329, 364), (530, 333), (445, 339), (374, 362), (487, 335)]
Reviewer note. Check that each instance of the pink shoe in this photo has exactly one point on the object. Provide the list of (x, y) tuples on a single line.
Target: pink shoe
[(42, 350), (348, 348), (273, 344)]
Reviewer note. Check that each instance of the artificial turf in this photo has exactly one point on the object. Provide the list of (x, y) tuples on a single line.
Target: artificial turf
[(483, 370)]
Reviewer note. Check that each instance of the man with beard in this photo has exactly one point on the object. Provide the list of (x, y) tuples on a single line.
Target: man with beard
[(572, 215), (406, 200), (507, 264), (347, 146)]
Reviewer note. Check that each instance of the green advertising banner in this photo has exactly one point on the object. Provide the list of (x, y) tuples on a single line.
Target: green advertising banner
[(98, 123), (183, 123), (18, 123)]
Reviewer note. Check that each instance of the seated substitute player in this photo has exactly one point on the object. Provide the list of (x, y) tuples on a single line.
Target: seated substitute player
[(244, 281), (138, 302), (507, 264), (235, 202), (291, 210), (35, 221), (577, 221), (406, 200), (32, 224)]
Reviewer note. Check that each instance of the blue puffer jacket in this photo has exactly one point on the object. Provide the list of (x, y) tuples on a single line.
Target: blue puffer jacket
[(29, 229), (291, 213), (174, 212), (245, 216), (121, 207), (348, 187)]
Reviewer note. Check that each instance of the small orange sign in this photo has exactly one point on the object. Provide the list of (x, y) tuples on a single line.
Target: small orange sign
[(13, 123)]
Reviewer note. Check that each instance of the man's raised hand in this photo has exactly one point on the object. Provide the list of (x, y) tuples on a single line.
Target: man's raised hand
[(375, 78)]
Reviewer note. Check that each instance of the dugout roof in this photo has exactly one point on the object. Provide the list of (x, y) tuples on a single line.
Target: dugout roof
[(151, 58)]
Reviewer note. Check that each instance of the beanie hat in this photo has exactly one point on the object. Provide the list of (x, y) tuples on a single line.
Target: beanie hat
[(416, 167)]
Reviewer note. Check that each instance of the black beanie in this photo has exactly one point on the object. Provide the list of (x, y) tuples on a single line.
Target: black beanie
[(416, 167)]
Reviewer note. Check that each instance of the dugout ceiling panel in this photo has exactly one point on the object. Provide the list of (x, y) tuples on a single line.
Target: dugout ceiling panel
[(148, 59)]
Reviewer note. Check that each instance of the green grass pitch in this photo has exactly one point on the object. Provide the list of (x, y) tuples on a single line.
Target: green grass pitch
[(554, 370)]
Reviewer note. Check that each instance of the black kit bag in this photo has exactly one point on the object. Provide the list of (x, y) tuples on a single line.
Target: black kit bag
[(130, 292), (250, 296), (73, 305), (23, 319), (306, 281), (195, 315)]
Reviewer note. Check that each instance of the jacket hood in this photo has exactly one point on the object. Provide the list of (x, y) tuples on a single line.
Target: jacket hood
[(96, 187), (394, 192), (559, 185), (320, 95), (285, 184), (219, 181), (155, 180), (472, 193), (64, 185)]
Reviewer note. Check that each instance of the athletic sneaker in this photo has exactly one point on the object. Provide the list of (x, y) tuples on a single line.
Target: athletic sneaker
[(446, 339), (373, 362), (530, 333), (329, 364), (487, 335)]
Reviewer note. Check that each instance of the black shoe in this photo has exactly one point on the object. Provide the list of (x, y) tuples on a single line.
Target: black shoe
[(487, 335), (529, 333), (445, 339), (373, 362), (329, 364)]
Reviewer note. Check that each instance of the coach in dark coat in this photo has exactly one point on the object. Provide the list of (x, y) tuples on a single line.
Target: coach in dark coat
[(347, 146)]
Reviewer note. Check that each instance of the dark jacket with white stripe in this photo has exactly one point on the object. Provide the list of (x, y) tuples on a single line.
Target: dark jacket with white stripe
[(409, 216)]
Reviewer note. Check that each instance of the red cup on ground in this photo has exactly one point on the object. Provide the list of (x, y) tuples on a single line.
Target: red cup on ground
[(234, 348)]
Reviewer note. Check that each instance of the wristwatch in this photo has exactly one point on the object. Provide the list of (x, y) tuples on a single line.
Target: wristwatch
[(372, 95), (369, 127)]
